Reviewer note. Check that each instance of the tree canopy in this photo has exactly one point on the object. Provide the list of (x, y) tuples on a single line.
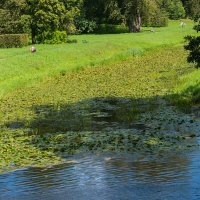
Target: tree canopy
[(42, 18)]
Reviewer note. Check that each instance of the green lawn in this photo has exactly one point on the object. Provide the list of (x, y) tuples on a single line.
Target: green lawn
[(20, 68)]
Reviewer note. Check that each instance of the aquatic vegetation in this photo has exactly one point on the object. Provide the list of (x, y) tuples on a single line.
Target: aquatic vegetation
[(119, 107)]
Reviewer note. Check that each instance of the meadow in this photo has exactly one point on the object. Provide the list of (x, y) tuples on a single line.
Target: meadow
[(107, 94), (19, 68)]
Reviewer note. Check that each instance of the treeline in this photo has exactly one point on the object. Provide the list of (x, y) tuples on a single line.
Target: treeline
[(46, 20)]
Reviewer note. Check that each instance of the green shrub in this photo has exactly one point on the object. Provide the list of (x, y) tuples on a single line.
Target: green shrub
[(176, 10), (72, 41), (111, 29), (194, 47), (13, 40), (197, 26), (156, 19), (85, 26), (162, 21), (56, 37)]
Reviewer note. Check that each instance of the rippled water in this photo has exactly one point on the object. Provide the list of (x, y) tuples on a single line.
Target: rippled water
[(109, 176)]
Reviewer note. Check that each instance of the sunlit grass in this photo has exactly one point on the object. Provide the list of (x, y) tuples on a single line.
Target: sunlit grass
[(187, 92), (20, 68)]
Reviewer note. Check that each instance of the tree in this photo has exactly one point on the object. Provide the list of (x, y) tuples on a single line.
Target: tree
[(11, 17), (138, 12), (40, 18), (133, 9), (192, 8), (174, 8), (46, 16), (194, 45)]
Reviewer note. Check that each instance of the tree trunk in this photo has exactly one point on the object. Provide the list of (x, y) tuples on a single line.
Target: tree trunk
[(33, 35), (135, 23), (131, 25)]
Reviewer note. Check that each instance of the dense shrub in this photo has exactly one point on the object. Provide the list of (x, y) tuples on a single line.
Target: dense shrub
[(157, 18), (111, 28), (13, 40), (197, 26), (194, 47), (72, 41), (85, 26), (176, 10), (56, 37)]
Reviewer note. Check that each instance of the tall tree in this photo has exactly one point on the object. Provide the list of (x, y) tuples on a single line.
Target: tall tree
[(174, 8), (11, 15), (47, 16), (139, 11), (194, 42), (133, 11), (192, 8)]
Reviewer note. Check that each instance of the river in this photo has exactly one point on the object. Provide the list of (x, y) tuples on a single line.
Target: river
[(172, 175)]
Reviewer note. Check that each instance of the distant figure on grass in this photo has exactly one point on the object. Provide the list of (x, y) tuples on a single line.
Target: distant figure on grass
[(182, 24), (33, 49), (152, 30)]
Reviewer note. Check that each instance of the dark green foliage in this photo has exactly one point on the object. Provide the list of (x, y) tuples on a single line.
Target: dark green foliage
[(70, 41), (85, 26), (110, 29), (194, 44), (47, 17), (56, 37), (194, 47), (162, 21), (174, 8), (41, 18), (192, 8), (197, 27), (13, 40), (11, 16), (157, 19)]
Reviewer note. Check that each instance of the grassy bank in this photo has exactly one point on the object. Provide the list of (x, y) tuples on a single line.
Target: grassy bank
[(19, 68), (117, 107), (187, 93)]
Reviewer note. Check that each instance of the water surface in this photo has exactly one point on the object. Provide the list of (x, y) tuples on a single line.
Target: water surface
[(172, 175)]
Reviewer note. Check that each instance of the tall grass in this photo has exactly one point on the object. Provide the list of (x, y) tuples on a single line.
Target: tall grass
[(187, 93)]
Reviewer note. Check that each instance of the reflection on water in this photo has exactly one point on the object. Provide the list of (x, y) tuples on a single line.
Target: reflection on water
[(110, 176)]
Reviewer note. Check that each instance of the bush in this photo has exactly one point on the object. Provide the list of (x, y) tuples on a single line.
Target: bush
[(56, 37), (72, 41), (176, 10), (156, 19), (194, 47), (13, 40), (111, 29), (197, 26), (85, 26), (162, 21)]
